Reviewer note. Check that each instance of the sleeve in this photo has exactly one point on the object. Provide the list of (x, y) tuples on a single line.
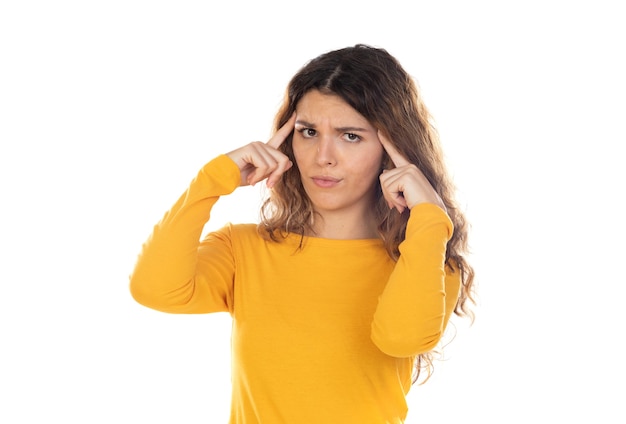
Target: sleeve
[(175, 272), (421, 294)]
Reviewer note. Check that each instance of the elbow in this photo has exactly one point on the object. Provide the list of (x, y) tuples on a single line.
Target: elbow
[(399, 344), (143, 293), (183, 300)]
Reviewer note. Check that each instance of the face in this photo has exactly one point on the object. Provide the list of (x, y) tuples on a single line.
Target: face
[(338, 154)]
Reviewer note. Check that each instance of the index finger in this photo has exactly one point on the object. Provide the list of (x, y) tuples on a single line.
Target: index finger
[(282, 133), (396, 157)]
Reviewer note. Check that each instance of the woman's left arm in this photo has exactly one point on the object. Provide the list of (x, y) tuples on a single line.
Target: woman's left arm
[(422, 291)]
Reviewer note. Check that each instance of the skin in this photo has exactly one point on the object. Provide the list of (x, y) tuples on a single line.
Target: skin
[(339, 155), (405, 185)]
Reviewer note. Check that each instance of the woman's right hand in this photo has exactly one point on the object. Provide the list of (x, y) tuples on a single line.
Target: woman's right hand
[(258, 161)]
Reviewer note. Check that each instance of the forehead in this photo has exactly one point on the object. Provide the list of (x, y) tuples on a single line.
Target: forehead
[(317, 106)]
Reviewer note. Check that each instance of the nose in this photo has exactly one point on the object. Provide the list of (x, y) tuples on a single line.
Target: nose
[(326, 152)]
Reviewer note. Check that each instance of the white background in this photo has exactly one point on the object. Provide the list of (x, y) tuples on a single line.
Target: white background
[(108, 109)]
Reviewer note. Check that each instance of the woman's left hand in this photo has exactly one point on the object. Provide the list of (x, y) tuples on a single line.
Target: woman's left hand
[(405, 185)]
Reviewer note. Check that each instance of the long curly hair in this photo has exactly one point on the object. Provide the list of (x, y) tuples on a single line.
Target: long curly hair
[(374, 83)]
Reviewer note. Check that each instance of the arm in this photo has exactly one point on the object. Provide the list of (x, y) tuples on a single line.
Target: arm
[(175, 272), (420, 296), (168, 275)]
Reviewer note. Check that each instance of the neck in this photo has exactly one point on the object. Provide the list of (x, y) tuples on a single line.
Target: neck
[(342, 226)]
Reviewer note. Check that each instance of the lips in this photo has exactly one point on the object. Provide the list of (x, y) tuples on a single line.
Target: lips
[(325, 181)]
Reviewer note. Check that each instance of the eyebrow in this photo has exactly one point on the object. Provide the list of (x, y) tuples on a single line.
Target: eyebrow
[(342, 129)]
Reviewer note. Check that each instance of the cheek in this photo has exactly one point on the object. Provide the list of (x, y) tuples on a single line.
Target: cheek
[(371, 166), (374, 173), (302, 152)]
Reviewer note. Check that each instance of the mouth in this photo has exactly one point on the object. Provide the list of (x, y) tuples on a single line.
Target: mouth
[(325, 181)]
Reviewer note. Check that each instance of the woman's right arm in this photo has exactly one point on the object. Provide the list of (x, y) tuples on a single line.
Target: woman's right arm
[(174, 272), (168, 275)]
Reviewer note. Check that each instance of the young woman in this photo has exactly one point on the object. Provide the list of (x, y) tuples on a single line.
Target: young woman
[(342, 291)]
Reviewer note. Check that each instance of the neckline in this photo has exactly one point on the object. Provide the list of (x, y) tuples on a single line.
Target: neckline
[(321, 241)]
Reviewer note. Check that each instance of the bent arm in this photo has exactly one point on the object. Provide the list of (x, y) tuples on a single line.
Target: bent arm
[(419, 298), (169, 274)]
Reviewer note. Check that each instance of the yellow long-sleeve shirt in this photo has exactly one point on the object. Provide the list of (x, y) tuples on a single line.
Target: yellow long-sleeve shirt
[(324, 334)]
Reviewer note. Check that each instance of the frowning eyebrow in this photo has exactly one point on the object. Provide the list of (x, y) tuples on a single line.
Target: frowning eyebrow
[(351, 129), (340, 129)]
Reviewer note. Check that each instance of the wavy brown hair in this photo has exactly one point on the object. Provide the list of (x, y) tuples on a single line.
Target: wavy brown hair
[(374, 83)]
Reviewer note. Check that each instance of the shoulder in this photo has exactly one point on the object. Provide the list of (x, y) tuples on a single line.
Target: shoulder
[(252, 237), (245, 234), (244, 230), (235, 231)]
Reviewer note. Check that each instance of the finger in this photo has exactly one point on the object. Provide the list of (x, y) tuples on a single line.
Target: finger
[(277, 174), (258, 163), (282, 133), (255, 160), (408, 186), (267, 163), (392, 188), (274, 166), (396, 157)]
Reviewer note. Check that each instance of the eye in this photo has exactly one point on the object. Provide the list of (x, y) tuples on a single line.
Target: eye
[(351, 137), (307, 132)]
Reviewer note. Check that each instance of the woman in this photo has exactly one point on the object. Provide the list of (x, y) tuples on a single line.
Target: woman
[(347, 284)]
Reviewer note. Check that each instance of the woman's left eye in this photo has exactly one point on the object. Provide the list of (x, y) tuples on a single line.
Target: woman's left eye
[(351, 137)]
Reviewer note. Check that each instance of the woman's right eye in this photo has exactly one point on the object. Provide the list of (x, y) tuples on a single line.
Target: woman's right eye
[(307, 132)]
